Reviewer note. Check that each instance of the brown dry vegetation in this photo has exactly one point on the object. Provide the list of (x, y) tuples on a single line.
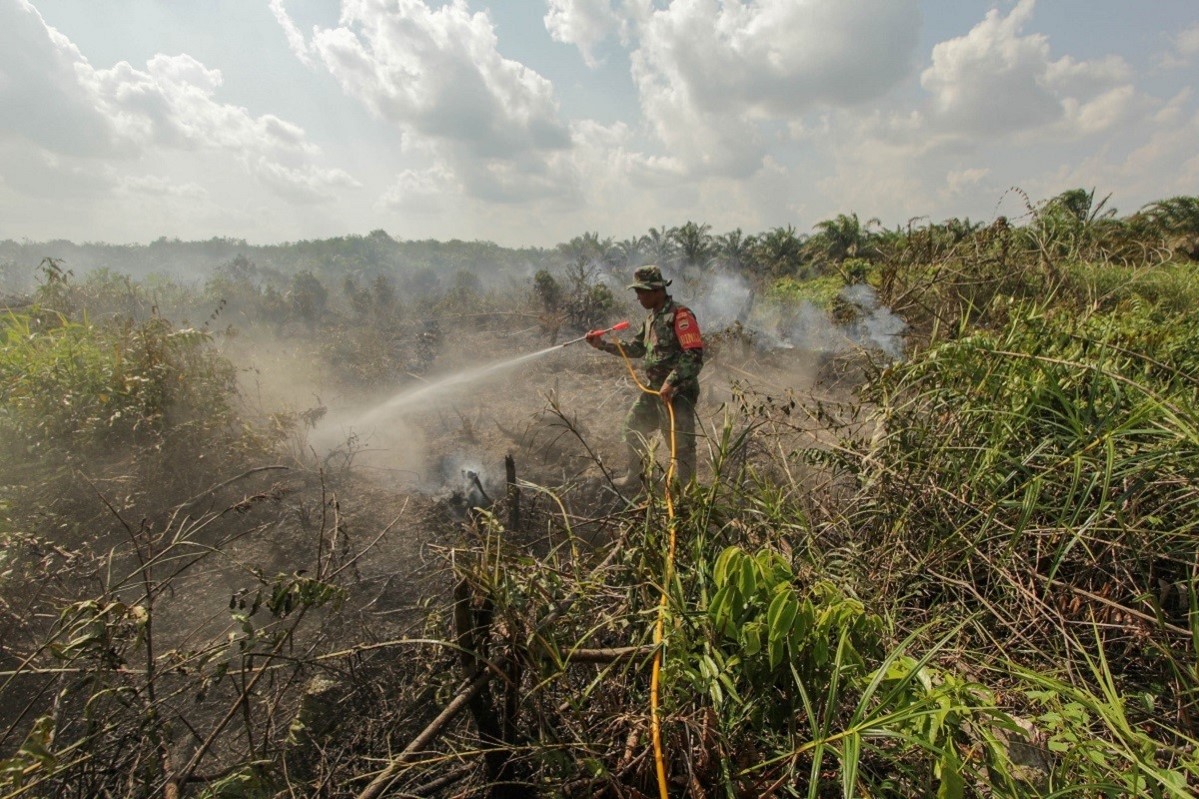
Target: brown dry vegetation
[(970, 572)]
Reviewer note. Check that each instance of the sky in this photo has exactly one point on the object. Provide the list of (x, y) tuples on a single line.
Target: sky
[(530, 122)]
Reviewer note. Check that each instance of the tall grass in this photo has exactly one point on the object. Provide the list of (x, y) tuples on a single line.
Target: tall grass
[(980, 579)]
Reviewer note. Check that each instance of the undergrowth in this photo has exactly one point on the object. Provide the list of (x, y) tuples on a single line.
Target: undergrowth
[(975, 577)]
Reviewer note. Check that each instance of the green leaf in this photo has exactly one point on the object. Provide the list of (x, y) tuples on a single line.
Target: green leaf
[(775, 649), (780, 617), (850, 758), (949, 770), (751, 638), (720, 611), (748, 579), (724, 565)]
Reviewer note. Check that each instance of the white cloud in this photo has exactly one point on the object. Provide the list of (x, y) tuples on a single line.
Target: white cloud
[(583, 23), (1162, 162), (439, 73), (1187, 41), (711, 74), (58, 102), (172, 104), (301, 184), (1184, 47), (295, 39), (43, 174), (996, 81), (41, 98), (426, 192), (159, 186), (1103, 113), (959, 181)]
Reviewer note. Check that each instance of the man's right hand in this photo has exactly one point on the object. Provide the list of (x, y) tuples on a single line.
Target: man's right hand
[(596, 338)]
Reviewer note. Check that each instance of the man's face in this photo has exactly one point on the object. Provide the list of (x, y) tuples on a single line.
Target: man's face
[(649, 298)]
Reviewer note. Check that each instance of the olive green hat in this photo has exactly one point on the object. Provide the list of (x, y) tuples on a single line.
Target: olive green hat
[(648, 278)]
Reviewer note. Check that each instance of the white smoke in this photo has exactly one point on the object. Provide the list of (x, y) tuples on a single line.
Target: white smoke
[(875, 326), (722, 298)]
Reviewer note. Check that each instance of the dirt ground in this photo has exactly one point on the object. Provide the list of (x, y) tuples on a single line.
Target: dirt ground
[(374, 496), (406, 463)]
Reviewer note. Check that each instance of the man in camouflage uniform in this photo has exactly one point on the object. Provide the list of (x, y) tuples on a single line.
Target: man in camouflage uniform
[(673, 353)]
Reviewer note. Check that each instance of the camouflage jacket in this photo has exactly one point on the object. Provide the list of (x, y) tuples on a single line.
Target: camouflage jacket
[(671, 345)]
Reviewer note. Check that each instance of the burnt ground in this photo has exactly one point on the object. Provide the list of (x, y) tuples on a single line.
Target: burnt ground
[(411, 473), (377, 502)]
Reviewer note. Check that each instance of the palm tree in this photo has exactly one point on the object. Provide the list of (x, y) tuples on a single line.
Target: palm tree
[(1179, 215), (1071, 224), (695, 245), (1177, 218), (960, 229), (780, 252), (735, 248), (627, 253), (659, 246), (1078, 206), (846, 237), (590, 250)]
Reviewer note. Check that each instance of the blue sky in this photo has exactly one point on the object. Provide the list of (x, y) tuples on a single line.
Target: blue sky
[(529, 122)]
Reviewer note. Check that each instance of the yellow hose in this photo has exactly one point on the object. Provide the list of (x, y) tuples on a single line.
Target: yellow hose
[(668, 575)]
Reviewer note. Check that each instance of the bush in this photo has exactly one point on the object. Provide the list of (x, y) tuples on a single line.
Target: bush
[(76, 385), (820, 292)]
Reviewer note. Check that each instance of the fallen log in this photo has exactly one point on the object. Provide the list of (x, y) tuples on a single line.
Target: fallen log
[(389, 774)]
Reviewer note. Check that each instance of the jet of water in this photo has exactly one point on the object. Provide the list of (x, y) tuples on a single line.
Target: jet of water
[(413, 397)]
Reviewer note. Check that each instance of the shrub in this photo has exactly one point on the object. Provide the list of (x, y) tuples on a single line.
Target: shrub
[(77, 385)]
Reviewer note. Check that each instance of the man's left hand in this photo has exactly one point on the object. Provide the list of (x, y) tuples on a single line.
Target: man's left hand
[(666, 392)]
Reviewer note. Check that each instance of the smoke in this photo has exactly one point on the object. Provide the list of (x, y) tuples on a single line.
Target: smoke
[(721, 299), (875, 326), (470, 482), (393, 451), (382, 434)]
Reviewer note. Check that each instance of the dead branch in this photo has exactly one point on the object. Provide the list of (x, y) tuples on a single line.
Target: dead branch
[(389, 774)]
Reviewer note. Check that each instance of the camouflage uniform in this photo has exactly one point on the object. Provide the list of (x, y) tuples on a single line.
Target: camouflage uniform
[(670, 344)]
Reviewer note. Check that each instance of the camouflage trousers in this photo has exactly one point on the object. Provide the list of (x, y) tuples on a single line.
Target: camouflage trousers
[(649, 414)]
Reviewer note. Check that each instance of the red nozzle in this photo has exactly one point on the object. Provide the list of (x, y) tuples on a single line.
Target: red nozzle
[(619, 326)]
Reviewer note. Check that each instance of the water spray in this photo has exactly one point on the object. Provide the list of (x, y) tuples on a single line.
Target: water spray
[(409, 397), (614, 329)]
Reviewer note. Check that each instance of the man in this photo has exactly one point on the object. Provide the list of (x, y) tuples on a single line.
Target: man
[(673, 350)]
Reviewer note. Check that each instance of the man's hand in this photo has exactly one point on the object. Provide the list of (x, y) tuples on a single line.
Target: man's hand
[(666, 392), (596, 338)]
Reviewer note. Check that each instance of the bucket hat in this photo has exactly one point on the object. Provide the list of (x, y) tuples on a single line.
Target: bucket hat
[(648, 278)]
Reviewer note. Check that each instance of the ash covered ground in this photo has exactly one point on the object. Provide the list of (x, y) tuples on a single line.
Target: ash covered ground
[(410, 461)]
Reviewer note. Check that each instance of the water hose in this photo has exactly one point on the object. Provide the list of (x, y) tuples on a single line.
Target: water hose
[(668, 575)]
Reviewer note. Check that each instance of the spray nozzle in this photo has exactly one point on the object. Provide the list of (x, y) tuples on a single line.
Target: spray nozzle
[(616, 327)]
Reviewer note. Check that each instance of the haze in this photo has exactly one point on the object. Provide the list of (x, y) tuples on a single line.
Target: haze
[(526, 123)]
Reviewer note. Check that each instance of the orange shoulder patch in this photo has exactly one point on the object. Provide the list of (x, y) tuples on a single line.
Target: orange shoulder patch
[(686, 330)]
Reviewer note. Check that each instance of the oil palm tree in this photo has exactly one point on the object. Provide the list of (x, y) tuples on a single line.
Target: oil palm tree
[(735, 249), (694, 244), (845, 236), (659, 246), (1177, 219), (780, 252), (590, 250)]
